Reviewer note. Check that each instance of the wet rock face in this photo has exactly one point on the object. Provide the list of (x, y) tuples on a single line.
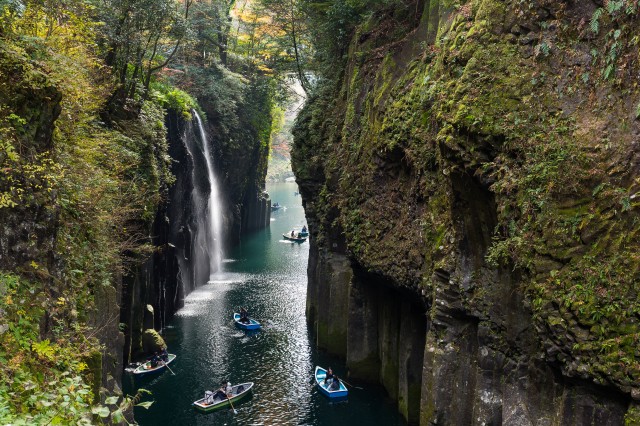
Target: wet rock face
[(447, 180), (163, 280)]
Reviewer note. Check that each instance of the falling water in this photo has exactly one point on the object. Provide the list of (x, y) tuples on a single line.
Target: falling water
[(206, 209), (214, 213)]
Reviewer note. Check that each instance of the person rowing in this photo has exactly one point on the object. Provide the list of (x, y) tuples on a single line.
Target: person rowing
[(244, 316), (328, 379), (154, 360), (164, 355), (224, 392)]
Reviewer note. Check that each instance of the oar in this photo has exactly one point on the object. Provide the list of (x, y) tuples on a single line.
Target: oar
[(231, 403), (347, 383), (169, 368)]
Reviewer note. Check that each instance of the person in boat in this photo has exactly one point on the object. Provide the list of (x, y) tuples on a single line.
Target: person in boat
[(292, 232), (335, 383), (164, 355), (209, 397), (244, 316), (304, 229), (328, 379), (224, 392), (154, 360)]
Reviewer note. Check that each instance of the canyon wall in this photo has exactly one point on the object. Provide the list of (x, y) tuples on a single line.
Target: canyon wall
[(156, 288), (470, 177)]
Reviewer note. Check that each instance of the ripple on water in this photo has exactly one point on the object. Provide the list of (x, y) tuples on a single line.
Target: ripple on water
[(269, 276)]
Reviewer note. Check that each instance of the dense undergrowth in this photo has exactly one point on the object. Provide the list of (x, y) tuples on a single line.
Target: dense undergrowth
[(78, 195), (84, 92)]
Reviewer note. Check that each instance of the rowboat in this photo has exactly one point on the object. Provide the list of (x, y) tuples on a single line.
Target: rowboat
[(251, 325), (237, 393), (296, 238), (146, 367), (275, 207), (341, 392)]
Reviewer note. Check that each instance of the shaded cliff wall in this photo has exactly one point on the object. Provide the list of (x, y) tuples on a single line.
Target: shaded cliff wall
[(156, 288), (455, 202), (240, 131)]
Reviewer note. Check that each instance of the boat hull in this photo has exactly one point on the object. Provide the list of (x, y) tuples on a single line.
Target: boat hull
[(146, 367), (253, 325), (218, 404), (320, 374), (295, 239)]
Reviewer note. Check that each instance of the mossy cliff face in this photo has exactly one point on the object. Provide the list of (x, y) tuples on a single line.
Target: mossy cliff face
[(479, 170), (69, 209)]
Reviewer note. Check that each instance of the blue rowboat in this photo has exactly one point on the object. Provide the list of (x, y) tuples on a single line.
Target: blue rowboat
[(146, 368), (251, 325), (340, 392), (208, 404)]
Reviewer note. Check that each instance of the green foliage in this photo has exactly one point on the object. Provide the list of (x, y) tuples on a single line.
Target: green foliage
[(175, 99), (114, 409), (41, 381), (98, 187), (83, 161), (595, 20), (620, 36)]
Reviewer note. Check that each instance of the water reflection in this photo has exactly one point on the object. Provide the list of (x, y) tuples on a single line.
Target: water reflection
[(269, 278)]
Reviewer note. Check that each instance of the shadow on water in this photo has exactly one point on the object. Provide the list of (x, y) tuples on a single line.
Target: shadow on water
[(268, 276)]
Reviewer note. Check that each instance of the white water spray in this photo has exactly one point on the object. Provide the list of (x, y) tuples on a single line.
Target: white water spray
[(214, 210)]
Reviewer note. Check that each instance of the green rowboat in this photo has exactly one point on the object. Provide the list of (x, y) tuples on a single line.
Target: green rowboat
[(237, 393)]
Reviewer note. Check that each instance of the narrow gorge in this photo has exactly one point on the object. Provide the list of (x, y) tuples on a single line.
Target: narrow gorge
[(468, 170)]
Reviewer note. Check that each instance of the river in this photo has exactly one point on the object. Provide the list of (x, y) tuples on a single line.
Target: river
[(268, 275)]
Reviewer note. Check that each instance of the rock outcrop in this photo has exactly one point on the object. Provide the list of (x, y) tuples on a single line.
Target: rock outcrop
[(472, 200)]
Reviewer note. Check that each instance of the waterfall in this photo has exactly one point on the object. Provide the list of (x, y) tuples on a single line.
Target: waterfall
[(214, 210), (206, 255)]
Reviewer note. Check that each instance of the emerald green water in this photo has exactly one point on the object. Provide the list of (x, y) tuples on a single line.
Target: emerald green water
[(268, 275)]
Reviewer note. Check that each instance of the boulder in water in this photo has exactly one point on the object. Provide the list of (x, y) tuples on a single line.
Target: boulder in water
[(152, 341)]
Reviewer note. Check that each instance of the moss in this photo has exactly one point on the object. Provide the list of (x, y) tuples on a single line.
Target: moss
[(152, 341), (480, 103), (94, 373), (389, 375), (414, 395), (322, 330)]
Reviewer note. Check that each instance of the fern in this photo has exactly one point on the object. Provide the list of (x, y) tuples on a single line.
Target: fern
[(595, 20), (608, 71), (614, 6)]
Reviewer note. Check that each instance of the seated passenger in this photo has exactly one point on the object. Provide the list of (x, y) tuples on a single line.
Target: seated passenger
[(329, 377), (208, 397), (335, 384)]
